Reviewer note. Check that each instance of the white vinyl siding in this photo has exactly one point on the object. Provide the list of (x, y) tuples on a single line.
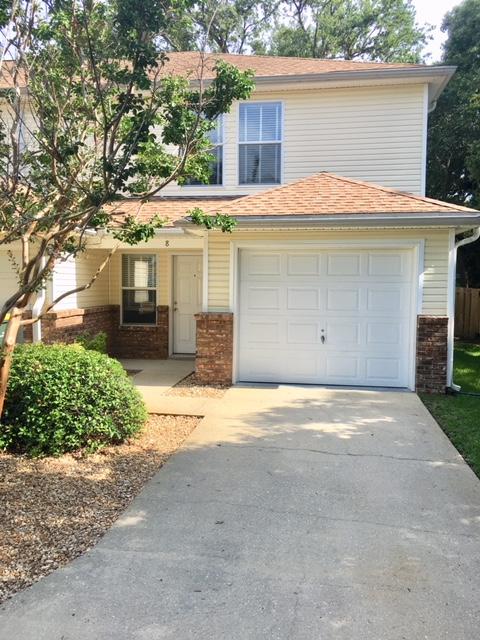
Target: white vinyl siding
[(76, 272), (435, 259), (8, 276), (374, 134)]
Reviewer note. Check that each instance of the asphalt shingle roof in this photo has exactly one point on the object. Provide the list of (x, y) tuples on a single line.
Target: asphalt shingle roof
[(322, 194)]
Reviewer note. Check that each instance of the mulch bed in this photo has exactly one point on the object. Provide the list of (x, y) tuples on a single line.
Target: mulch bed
[(190, 387), (54, 509)]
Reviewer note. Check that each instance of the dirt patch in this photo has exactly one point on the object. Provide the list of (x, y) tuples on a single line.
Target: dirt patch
[(54, 509), (190, 387)]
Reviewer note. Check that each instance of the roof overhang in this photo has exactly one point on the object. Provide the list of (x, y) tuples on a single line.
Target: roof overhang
[(437, 77)]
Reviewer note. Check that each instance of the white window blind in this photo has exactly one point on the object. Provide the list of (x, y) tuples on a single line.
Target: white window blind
[(260, 143), (139, 289)]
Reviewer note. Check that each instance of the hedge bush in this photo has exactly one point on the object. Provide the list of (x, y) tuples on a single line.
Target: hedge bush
[(94, 342), (62, 398)]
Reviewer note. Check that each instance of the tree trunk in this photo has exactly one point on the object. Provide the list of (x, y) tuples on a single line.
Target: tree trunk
[(9, 343)]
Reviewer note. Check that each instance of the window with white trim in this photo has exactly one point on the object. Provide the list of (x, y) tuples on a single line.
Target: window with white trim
[(139, 289), (215, 136), (260, 143)]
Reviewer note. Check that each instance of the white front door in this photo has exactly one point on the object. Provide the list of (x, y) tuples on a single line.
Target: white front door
[(187, 301), (326, 316)]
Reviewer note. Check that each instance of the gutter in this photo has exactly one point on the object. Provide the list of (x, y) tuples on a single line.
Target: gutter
[(360, 220), (459, 243)]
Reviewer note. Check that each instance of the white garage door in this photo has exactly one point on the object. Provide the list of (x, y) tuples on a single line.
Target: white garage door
[(325, 317)]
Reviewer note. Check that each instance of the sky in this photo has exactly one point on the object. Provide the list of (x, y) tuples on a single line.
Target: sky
[(432, 11)]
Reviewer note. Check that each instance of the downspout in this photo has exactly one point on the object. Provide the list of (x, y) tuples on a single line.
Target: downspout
[(37, 310), (459, 243)]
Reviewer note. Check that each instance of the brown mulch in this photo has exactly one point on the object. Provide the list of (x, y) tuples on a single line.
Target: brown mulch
[(54, 509), (190, 387)]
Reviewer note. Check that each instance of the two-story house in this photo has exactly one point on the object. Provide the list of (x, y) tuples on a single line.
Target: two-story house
[(339, 270)]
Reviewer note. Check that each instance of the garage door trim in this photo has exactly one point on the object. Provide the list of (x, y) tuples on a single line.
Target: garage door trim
[(417, 246)]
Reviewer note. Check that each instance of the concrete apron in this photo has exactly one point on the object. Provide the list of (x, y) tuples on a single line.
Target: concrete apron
[(291, 513)]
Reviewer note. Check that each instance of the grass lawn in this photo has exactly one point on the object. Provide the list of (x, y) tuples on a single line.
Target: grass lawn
[(459, 415)]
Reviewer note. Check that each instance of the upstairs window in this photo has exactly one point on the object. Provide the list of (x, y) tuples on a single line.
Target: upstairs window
[(139, 289), (260, 144), (215, 136)]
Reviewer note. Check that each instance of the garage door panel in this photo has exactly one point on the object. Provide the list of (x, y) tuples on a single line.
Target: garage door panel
[(341, 369), (263, 298), (382, 299), (384, 333), (263, 264), (386, 264), (303, 265), (263, 332), (343, 264), (383, 369), (343, 299), (300, 365), (304, 299), (303, 333), (339, 333), (358, 301)]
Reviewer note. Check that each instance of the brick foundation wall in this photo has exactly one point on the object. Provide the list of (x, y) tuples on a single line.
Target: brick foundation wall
[(66, 325), (149, 342), (214, 348), (432, 354)]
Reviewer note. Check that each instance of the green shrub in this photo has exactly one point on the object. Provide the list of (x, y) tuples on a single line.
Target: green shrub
[(93, 342), (63, 397)]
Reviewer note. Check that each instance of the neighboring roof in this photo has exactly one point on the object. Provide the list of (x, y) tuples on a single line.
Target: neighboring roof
[(326, 194), (170, 208), (194, 64)]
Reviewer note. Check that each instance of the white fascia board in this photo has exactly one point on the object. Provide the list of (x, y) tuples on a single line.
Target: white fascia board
[(363, 220)]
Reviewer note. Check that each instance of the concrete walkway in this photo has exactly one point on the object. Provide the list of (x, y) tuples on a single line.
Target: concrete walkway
[(292, 513), (155, 377)]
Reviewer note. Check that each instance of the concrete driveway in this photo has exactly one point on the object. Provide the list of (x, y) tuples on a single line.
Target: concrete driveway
[(292, 513)]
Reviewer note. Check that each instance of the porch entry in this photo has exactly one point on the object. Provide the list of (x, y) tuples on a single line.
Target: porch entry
[(187, 301)]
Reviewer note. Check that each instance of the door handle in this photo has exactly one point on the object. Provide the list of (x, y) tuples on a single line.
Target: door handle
[(322, 339)]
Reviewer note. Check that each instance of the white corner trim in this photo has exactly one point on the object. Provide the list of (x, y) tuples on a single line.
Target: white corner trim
[(423, 180), (421, 275), (205, 273)]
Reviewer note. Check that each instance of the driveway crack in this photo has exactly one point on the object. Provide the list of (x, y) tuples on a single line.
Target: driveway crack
[(455, 461)]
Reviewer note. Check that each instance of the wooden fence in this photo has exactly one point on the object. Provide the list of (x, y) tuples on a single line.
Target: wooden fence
[(467, 313)]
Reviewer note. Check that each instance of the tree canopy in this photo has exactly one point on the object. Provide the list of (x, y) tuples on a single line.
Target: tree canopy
[(353, 29), (88, 117), (383, 30), (453, 166), (454, 127)]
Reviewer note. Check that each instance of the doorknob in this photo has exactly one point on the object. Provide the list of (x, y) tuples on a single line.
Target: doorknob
[(322, 339)]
